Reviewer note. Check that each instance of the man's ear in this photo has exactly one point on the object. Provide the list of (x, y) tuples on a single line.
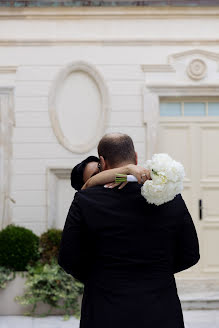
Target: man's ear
[(136, 158), (102, 163)]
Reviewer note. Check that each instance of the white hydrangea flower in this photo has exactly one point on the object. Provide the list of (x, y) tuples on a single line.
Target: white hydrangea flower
[(167, 179)]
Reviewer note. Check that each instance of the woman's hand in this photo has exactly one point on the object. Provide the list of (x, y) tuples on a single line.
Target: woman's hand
[(139, 172)]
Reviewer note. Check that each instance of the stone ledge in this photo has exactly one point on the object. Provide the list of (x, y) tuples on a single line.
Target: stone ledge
[(194, 294), (198, 294)]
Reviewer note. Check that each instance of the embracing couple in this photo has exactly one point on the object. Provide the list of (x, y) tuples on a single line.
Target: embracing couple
[(122, 248)]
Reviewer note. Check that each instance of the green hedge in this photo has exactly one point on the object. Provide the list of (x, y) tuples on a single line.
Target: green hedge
[(49, 245), (18, 247), (47, 282)]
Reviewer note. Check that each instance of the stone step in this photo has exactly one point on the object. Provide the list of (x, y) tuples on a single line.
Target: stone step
[(198, 294)]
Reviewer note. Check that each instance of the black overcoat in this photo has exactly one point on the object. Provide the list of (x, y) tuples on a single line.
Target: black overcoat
[(126, 252)]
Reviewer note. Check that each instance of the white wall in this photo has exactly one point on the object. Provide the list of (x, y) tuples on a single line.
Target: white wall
[(40, 42)]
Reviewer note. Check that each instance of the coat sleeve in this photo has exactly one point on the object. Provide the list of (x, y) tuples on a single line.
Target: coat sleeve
[(73, 253), (187, 244)]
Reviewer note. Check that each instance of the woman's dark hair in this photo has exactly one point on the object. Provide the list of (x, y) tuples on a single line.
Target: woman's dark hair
[(77, 181)]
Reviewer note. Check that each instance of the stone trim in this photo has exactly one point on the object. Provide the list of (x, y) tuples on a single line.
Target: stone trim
[(208, 54), (97, 77), (108, 42), (151, 101), (109, 12), (7, 122), (53, 174), (158, 68)]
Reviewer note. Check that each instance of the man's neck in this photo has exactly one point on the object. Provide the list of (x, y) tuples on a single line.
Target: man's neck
[(118, 165)]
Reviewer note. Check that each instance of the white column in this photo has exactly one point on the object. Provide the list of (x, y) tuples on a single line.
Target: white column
[(6, 126)]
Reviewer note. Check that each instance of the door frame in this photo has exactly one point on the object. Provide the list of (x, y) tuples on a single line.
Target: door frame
[(7, 122), (152, 95)]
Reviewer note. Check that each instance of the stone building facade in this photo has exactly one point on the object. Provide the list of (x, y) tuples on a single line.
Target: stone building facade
[(69, 74)]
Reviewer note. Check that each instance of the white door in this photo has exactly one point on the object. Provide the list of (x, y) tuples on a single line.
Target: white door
[(189, 132)]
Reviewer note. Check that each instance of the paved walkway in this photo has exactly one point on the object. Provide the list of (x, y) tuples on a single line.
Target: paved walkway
[(193, 319)]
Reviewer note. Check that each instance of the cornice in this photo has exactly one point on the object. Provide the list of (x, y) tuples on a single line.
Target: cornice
[(109, 42), (6, 90), (8, 69), (182, 90), (158, 68), (108, 13)]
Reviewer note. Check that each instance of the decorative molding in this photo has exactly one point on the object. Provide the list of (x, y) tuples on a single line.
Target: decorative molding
[(158, 68), (208, 54), (196, 69), (151, 100), (61, 172), (175, 90), (151, 118), (7, 122), (109, 42), (53, 174), (109, 12), (8, 69), (187, 119), (105, 105)]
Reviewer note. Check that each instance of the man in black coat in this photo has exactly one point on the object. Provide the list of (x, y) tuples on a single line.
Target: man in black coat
[(126, 251)]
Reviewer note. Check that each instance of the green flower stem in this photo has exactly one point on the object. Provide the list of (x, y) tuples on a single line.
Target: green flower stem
[(120, 178)]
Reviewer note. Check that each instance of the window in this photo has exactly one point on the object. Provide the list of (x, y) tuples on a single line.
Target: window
[(189, 108)]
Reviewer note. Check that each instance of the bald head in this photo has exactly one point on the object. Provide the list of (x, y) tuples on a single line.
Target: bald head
[(117, 149)]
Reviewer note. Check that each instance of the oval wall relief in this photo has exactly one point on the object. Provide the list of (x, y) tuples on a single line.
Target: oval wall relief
[(78, 105)]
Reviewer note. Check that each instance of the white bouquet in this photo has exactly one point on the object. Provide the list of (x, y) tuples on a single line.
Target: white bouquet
[(167, 179)]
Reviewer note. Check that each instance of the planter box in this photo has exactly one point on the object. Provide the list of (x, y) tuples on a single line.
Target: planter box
[(16, 288), (194, 294)]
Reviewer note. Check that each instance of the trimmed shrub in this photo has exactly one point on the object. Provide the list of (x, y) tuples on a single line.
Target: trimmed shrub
[(18, 247), (49, 245)]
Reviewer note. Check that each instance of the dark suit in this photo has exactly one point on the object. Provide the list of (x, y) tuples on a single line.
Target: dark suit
[(126, 252)]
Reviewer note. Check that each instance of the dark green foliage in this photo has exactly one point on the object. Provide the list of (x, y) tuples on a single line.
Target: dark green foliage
[(47, 282), (18, 247), (50, 284), (49, 245), (5, 276)]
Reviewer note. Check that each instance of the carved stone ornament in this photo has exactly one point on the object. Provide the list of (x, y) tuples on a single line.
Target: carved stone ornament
[(78, 107), (197, 69)]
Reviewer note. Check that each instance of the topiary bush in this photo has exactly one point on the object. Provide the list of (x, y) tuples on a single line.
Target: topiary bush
[(49, 245), (18, 247)]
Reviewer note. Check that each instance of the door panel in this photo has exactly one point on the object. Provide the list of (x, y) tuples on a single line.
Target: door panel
[(187, 192), (210, 201), (195, 145), (209, 193), (209, 152), (175, 141), (210, 245)]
